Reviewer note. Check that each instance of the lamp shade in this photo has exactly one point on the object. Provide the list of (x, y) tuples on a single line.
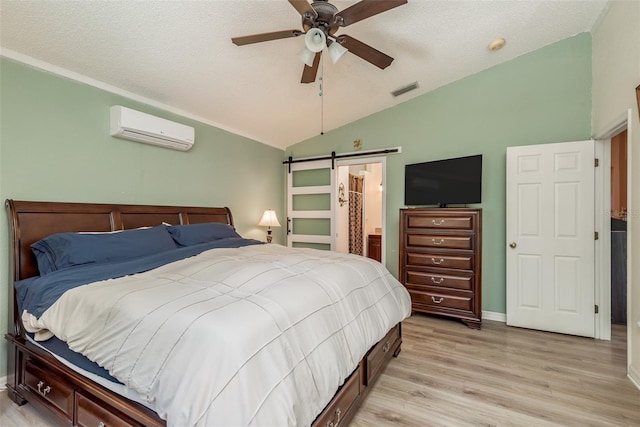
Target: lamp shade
[(315, 40), (336, 50), (269, 219), (307, 57)]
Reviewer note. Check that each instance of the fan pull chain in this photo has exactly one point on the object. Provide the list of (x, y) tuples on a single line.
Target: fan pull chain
[(321, 97)]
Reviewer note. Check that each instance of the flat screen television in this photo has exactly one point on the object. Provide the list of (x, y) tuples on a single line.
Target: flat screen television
[(444, 182)]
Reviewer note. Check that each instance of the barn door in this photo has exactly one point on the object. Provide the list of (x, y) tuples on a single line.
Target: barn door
[(311, 205)]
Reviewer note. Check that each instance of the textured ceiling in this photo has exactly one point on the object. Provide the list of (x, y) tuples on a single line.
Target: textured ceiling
[(180, 54)]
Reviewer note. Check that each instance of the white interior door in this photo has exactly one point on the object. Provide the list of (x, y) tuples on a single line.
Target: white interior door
[(311, 205), (550, 237)]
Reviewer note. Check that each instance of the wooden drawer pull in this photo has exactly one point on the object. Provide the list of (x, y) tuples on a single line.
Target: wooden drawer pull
[(433, 260), (437, 242), (437, 282), (337, 418), (437, 301), (437, 222)]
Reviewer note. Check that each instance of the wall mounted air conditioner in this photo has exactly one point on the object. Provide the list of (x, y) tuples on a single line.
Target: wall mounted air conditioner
[(141, 127)]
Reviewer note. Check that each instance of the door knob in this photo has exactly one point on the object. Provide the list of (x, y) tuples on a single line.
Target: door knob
[(512, 245)]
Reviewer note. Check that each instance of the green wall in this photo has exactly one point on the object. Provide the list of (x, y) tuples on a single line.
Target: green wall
[(55, 146), (540, 97)]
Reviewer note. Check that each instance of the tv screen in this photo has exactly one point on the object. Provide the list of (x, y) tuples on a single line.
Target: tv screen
[(444, 182)]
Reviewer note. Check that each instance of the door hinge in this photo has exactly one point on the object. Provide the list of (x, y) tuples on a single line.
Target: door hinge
[(597, 162), (597, 309), (596, 236)]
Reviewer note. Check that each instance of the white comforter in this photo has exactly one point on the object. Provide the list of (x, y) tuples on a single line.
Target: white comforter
[(260, 335)]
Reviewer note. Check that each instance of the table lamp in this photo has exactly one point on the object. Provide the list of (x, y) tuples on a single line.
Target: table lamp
[(269, 219)]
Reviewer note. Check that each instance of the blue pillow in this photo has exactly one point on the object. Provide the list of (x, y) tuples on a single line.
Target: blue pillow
[(194, 234), (63, 250)]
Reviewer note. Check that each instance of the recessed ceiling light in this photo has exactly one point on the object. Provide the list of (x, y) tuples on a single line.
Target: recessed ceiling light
[(497, 44)]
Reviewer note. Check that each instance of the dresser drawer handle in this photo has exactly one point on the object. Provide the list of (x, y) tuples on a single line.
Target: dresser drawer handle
[(386, 347), (437, 282), (437, 242), (437, 262), (44, 391), (437, 222), (437, 301), (330, 423)]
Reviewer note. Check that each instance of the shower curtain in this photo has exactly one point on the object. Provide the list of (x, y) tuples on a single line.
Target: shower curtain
[(356, 185)]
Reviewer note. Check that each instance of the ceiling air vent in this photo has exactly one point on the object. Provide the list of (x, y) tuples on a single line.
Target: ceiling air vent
[(405, 89)]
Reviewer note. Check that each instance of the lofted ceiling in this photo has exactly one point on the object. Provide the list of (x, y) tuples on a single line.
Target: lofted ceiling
[(179, 54)]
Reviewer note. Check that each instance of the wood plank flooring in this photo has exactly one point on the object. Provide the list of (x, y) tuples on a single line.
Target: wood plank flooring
[(450, 375)]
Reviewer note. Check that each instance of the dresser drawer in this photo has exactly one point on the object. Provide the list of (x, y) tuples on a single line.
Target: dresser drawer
[(434, 299), (49, 387), (90, 414), (458, 262), (440, 241), (382, 352), (423, 278), (463, 222), (347, 395)]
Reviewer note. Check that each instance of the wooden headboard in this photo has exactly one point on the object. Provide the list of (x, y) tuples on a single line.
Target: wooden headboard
[(32, 221)]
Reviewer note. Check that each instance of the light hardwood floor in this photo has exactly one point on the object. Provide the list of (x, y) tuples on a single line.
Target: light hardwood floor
[(450, 375)]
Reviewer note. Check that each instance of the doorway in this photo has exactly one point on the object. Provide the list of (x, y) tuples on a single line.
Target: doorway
[(608, 208), (360, 209), (618, 213)]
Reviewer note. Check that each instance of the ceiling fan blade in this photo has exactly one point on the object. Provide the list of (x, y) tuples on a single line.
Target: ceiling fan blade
[(365, 51), (303, 7), (309, 73), (265, 37), (365, 9)]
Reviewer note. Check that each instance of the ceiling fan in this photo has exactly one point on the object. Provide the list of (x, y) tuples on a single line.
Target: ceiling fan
[(320, 21)]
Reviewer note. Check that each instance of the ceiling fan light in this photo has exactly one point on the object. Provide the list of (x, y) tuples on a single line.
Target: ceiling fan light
[(315, 40), (336, 50), (307, 57)]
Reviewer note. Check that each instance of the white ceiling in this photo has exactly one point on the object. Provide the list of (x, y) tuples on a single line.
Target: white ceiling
[(179, 54)]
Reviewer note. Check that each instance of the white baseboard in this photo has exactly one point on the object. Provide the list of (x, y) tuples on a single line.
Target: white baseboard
[(3, 383), (634, 376), (492, 315)]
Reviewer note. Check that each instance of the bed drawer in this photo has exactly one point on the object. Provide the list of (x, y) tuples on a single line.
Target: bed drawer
[(91, 414), (382, 352), (49, 387), (347, 395)]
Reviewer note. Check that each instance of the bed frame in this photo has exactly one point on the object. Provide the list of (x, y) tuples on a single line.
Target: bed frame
[(68, 397)]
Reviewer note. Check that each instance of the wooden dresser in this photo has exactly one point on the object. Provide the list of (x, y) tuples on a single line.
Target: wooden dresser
[(374, 247), (441, 261)]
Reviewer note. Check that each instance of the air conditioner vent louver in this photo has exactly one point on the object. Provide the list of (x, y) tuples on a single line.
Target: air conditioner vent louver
[(141, 127), (405, 89)]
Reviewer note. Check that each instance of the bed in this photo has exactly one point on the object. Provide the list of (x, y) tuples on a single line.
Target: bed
[(319, 383)]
